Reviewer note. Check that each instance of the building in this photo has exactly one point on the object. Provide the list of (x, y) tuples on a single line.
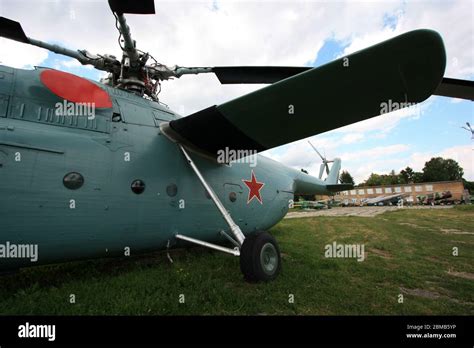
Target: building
[(410, 191)]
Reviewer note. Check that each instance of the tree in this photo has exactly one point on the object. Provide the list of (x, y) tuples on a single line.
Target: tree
[(383, 179), (407, 176), (346, 178), (440, 169), (374, 180), (417, 177), (469, 185), (393, 178)]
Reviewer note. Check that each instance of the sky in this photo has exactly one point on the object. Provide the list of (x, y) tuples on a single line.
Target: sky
[(294, 33)]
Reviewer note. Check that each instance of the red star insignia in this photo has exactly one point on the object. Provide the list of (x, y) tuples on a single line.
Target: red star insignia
[(254, 188)]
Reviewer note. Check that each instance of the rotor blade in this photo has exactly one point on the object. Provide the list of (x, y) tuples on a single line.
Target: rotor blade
[(455, 88), (256, 74), (325, 98), (321, 170), (244, 74), (327, 167), (132, 6), (317, 151), (12, 30)]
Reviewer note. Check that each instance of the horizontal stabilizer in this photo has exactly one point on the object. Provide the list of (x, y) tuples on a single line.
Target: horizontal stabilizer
[(339, 187)]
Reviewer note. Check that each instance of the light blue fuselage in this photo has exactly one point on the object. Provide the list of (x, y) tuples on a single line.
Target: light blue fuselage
[(104, 216)]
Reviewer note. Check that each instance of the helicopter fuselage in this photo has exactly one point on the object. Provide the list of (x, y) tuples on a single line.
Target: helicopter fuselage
[(120, 146)]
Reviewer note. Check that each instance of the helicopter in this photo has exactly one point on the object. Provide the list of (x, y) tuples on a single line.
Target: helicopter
[(469, 129), (95, 169)]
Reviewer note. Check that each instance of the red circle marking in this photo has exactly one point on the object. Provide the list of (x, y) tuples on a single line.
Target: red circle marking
[(75, 88)]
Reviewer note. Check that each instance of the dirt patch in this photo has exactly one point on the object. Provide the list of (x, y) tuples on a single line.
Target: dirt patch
[(408, 224), (285, 256), (356, 211), (381, 253), (433, 295), (459, 242), (454, 231), (464, 275), (433, 259), (412, 225), (463, 303), (421, 293), (340, 211)]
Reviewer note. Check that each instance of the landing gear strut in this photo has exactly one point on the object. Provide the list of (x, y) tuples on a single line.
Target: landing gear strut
[(260, 258)]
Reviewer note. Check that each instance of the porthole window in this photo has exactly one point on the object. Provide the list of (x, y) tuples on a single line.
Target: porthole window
[(172, 190), (232, 196), (116, 117), (73, 181), (138, 186)]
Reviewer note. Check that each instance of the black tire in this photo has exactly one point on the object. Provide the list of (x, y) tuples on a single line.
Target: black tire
[(260, 258)]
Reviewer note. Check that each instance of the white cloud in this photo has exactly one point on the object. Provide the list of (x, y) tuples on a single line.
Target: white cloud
[(19, 55), (368, 39), (352, 138), (380, 160), (72, 63), (436, 15), (454, 21), (362, 170), (375, 153), (387, 122)]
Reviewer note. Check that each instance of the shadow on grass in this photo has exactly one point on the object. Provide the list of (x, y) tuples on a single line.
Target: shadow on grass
[(56, 275)]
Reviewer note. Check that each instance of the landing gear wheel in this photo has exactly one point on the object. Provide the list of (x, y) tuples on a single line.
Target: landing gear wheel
[(260, 258)]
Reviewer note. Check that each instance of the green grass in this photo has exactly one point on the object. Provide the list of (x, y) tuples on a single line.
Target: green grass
[(413, 254)]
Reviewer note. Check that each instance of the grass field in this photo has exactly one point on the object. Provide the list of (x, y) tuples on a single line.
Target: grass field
[(409, 252)]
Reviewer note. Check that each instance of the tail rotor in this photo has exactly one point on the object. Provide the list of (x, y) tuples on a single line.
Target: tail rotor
[(324, 164)]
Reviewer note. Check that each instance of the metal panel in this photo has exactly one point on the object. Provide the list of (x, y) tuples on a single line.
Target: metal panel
[(3, 105), (136, 114), (38, 111), (162, 116)]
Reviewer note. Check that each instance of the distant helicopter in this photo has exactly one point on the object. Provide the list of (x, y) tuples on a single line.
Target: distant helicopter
[(92, 169), (469, 129)]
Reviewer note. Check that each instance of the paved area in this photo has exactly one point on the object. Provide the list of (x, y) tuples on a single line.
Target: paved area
[(355, 211)]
